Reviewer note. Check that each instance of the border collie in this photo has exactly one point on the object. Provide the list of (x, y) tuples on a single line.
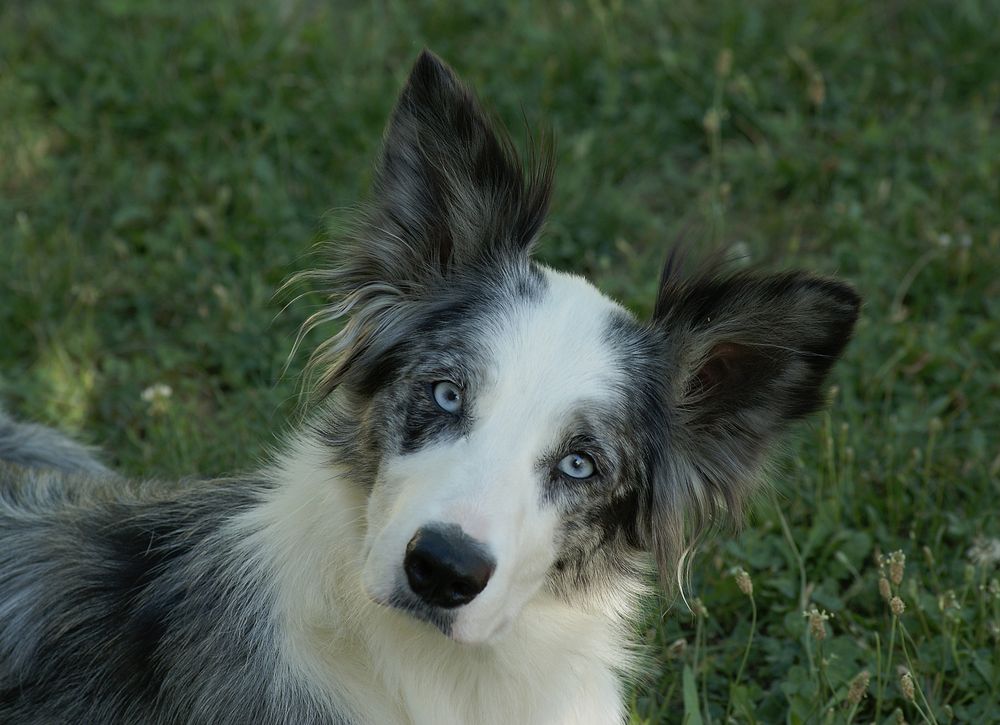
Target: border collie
[(462, 530)]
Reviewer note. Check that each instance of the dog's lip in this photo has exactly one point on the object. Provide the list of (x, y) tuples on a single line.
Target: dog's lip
[(411, 609), (496, 633)]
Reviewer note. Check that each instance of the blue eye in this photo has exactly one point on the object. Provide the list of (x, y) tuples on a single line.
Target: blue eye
[(577, 465), (448, 396)]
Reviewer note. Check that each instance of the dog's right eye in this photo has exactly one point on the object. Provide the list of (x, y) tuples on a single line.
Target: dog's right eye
[(448, 396), (577, 465)]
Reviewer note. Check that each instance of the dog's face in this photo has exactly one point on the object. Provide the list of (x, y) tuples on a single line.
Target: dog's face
[(519, 432), (503, 449)]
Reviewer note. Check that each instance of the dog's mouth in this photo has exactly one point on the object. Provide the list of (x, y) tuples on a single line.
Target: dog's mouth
[(444, 620), (404, 601)]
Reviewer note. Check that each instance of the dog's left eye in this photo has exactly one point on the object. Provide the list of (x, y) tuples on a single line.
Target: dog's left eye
[(577, 465), (448, 396)]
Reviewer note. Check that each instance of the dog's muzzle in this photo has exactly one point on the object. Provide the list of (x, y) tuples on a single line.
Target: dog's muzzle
[(445, 567)]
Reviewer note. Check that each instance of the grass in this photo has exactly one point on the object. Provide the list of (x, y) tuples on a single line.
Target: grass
[(164, 166)]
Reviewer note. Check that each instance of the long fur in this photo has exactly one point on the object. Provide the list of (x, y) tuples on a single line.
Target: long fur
[(33, 446), (282, 596)]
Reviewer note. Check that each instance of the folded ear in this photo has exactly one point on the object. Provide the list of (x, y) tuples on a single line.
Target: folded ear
[(749, 355), (450, 191)]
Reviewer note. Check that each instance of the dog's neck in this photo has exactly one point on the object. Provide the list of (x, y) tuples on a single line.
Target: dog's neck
[(559, 663)]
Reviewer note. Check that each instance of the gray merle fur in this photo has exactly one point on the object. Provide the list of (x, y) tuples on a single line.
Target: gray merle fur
[(130, 603), (35, 446)]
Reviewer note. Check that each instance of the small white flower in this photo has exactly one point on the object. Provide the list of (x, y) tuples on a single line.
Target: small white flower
[(157, 392), (984, 551)]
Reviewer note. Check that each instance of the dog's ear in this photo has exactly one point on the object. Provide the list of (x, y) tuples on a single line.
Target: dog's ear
[(450, 191), (748, 355), (451, 200)]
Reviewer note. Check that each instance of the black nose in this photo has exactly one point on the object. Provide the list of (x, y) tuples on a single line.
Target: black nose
[(445, 567)]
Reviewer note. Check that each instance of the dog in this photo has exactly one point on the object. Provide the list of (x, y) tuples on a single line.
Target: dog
[(464, 528)]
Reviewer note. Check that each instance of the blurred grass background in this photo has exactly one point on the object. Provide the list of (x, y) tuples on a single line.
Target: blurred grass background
[(165, 165)]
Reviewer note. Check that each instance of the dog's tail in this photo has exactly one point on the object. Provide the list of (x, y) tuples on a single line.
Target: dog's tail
[(35, 446)]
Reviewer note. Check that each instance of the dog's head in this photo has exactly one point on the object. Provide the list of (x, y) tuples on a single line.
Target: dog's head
[(519, 432)]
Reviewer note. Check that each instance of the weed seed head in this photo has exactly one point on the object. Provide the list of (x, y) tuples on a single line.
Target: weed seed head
[(817, 618), (859, 687), (699, 608), (929, 557), (711, 121), (897, 565), (906, 685), (744, 582), (817, 89), (677, 648), (884, 589), (948, 601), (724, 63), (897, 606)]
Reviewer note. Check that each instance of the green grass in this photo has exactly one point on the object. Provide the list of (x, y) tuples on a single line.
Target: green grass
[(164, 166)]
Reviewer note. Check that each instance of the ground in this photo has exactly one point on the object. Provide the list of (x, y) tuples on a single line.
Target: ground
[(165, 166)]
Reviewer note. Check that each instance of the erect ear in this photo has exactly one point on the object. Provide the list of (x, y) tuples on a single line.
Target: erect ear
[(749, 355), (450, 192), (451, 199)]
